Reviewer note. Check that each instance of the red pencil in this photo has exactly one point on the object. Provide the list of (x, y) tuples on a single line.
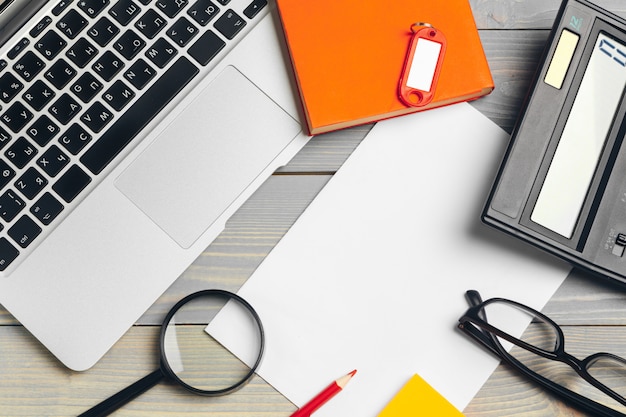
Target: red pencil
[(323, 397)]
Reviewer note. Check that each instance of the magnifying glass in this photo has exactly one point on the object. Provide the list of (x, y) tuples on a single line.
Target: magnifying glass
[(194, 359)]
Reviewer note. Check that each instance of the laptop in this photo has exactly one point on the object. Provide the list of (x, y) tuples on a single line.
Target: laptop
[(130, 131)]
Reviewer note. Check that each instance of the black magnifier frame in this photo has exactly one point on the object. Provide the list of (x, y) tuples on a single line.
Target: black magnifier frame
[(165, 371)]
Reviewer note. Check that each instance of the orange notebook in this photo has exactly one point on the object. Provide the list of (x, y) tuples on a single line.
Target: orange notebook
[(348, 57)]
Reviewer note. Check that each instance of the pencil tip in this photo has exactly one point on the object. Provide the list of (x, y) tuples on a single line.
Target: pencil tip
[(352, 373)]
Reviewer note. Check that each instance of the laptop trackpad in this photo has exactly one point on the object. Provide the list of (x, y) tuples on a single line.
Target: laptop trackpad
[(207, 156)]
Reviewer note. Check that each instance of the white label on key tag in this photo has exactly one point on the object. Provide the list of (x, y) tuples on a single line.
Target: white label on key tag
[(424, 64)]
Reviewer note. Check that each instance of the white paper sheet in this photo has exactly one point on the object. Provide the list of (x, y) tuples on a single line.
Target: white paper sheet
[(372, 276)]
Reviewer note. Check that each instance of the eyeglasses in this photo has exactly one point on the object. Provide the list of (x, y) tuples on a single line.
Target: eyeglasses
[(191, 357), (604, 371)]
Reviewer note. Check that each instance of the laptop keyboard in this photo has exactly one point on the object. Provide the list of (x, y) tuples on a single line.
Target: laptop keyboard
[(81, 85)]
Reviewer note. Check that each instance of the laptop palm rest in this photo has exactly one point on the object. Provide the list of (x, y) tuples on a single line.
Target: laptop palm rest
[(188, 177)]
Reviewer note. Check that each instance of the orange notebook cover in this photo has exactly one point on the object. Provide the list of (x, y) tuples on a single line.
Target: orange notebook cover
[(348, 57)]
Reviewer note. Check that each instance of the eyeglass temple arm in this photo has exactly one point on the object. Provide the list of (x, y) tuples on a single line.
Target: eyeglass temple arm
[(474, 299)]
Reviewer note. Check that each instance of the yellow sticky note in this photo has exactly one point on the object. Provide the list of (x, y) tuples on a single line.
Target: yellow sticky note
[(418, 398)]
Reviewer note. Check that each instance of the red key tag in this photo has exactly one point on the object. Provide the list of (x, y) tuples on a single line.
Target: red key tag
[(422, 65)]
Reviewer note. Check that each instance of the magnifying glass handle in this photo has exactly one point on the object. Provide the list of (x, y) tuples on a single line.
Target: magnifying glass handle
[(111, 404)]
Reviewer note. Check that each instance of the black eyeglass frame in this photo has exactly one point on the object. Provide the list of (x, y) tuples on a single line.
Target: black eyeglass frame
[(474, 324)]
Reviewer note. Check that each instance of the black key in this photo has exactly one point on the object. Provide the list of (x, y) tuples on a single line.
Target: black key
[(39, 27), (38, 95), (70, 184), (139, 74), (86, 87), (5, 137), (20, 152), (124, 11), (46, 209), (118, 95), (182, 31), (72, 24), (18, 48), (10, 205), (161, 53), (16, 116), (122, 132), (9, 86), (3, 64), (6, 173), (206, 47), (254, 8), (43, 130), (96, 117), (28, 66), (108, 65), (92, 8), (223, 2), (31, 183), (81, 52), (203, 11), (53, 161), (50, 44), (24, 231), (60, 73), (65, 108), (150, 24), (75, 139), (8, 253), (229, 24), (129, 44), (103, 31), (171, 7), (62, 5)]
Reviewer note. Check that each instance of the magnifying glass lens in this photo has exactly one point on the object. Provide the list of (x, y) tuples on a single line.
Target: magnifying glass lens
[(199, 361)]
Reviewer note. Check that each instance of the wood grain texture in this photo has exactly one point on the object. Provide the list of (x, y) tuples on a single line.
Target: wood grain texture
[(33, 383)]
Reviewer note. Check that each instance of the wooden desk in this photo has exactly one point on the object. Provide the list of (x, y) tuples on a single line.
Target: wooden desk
[(33, 383)]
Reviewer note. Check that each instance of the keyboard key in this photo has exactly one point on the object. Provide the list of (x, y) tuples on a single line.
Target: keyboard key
[(124, 11), (18, 48), (161, 53), (150, 24), (10, 205), (38, 95), (254, 8), (5, 137), (9, 86), (50, 44), (206, 47), (28, 66), (60, 73), (65, 108), (182, 32), (103, 31), (75, 139), (46, 209), (86, 87), (108, 65), (39, 27), (42, 131), (229, 24), (53, 161), (171, 7), (92, 8), (81, 52), (6, 173), (24, 231), (133, 120), (20, 152), (129, 44), (96, 117), (8, 253), (203, 11), (72, 24), (70, 184), (30, 183), (139, 74), (118, 95), (223, 2), (62, 5), (16, 116)]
